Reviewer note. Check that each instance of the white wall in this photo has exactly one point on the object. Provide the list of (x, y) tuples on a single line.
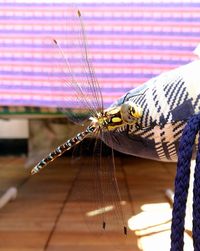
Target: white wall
[(14, 129)]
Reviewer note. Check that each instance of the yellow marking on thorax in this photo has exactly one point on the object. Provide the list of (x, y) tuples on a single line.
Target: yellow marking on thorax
[(113, 111), (100, 120), (116, 120), (111, 128)]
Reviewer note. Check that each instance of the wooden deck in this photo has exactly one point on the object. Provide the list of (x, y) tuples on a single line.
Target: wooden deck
[(45, 216)]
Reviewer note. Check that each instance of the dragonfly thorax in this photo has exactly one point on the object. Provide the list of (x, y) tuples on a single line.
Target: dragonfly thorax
[(118, 116)]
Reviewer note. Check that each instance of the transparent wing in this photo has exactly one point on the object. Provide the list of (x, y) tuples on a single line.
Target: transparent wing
[(80, 94), (111, 210), (118, 198), (97, 190), (88, 190)]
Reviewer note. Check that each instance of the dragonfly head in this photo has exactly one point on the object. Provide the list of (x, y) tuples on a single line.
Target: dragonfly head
[(130, 112)]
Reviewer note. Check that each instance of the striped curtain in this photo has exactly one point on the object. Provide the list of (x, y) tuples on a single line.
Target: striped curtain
[(129, 42)]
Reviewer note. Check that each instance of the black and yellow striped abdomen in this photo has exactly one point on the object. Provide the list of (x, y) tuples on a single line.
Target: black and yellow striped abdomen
[(63, 148)]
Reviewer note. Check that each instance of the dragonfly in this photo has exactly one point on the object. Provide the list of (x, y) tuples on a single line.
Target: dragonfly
[(101, 121)]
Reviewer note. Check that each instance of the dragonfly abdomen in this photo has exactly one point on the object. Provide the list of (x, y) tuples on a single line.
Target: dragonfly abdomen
[(63, 148)]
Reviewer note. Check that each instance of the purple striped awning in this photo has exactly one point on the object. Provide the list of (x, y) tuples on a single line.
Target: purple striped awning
[(129, 42)]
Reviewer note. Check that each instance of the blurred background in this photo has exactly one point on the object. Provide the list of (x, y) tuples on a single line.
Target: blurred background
[(128, 42)]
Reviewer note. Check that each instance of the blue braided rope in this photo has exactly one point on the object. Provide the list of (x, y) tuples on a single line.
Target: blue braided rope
[(186, 147), (196, 203)]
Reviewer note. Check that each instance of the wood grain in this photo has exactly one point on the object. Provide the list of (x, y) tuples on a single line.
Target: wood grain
[(28, 223)]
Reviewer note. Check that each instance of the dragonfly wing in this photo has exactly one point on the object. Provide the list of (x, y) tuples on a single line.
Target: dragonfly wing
[(116, 206), (87, 191), (74, 76), (97, 190)]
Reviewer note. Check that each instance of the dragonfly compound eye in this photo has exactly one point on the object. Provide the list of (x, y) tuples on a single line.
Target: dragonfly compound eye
[(130, 112)]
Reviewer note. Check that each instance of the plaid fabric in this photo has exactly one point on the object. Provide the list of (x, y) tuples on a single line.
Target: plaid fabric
[(129, 42), (168, 101)]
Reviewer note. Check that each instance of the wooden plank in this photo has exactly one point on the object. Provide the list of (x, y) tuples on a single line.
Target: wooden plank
[(27, 222)]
